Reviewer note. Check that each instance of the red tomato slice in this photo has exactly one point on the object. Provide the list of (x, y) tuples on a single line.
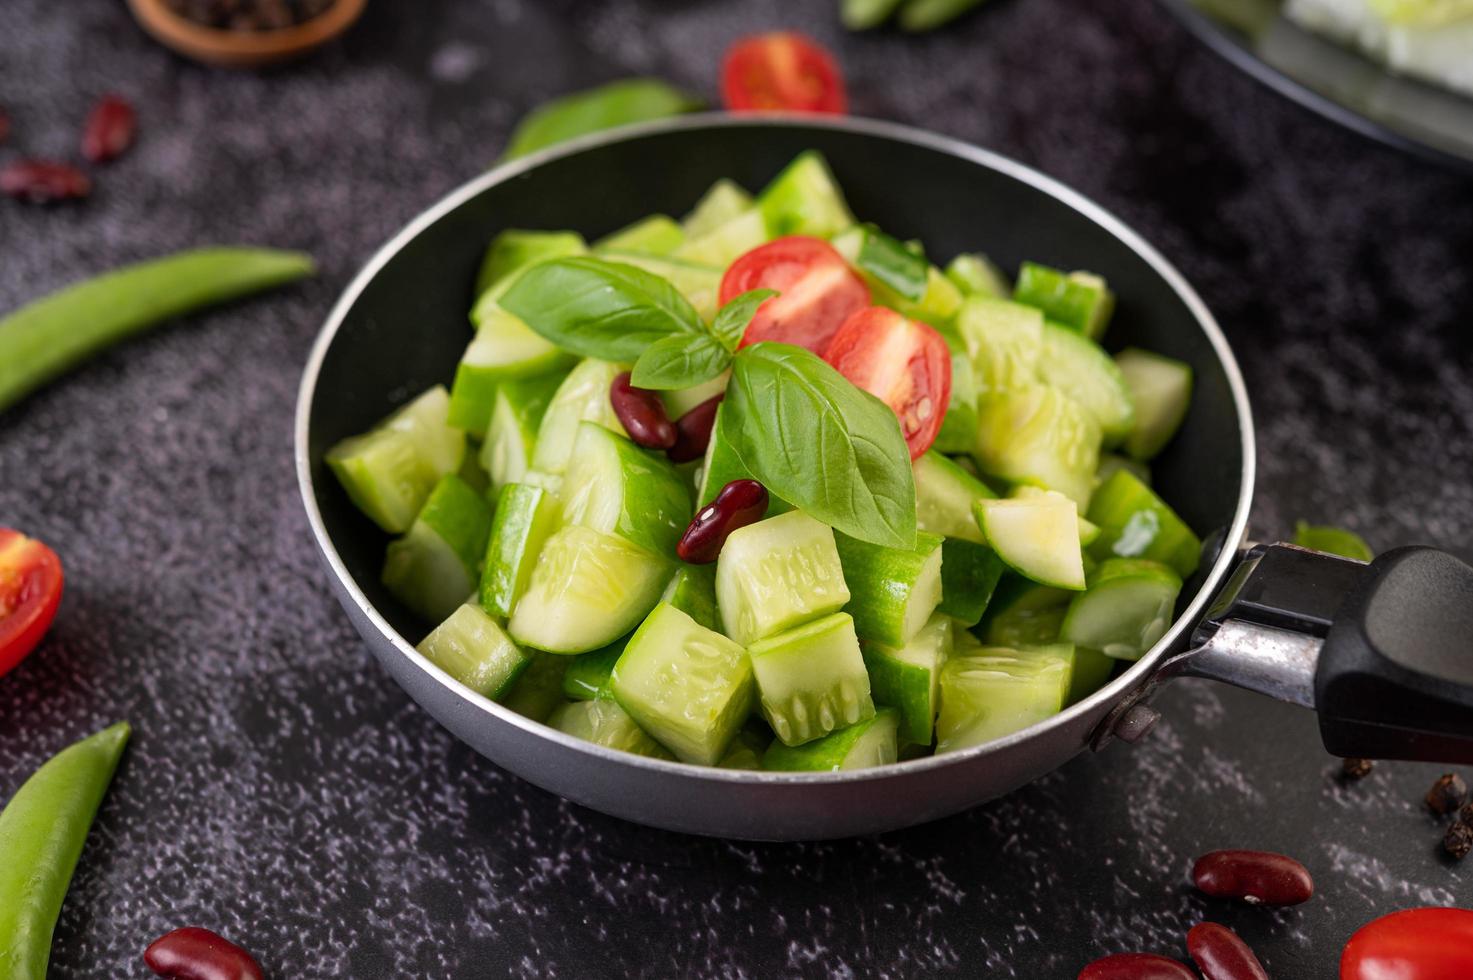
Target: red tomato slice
[(30, 591), (1418, 944), (782, 70), (818, 291), (903, 363)]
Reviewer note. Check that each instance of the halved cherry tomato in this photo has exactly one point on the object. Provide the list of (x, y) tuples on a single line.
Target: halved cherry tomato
[(782, 70), (30, 591), (818, 291), (1418, 944), (903, 363)]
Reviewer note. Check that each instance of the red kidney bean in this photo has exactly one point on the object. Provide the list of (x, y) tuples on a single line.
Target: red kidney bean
[(693, 431), (740, 502), (1256, 877), (43, 181), (1221, 954), (1136, 966), (193, 953), (109, 130), (641, 413)]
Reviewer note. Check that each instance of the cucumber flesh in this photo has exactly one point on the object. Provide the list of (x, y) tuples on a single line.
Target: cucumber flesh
[(1081, 369), (1024, 613), (746, 750), (945, 497), (976, 275), (699, 284), (689, 687), (586, 590), (811, 680), (1038, 537), (969, 575), (865, 745), (658, 234), (723, 245), (503, 348), (588, 674), (1040, 436), (1128, 606), (433, 567), (893, 591), (1004, 341), (603, 722), (515, 249), (476, 652), (681, 400), (693, 591), (539, 690), (583, 396), (805, 200), (959, 425), (993, 693), (1088, 530), (776, 574), (1136, 523), (525, 518), (723, 201), (511, 437), (908, 678), (1162, 390), (1079, 300), (615, 487)]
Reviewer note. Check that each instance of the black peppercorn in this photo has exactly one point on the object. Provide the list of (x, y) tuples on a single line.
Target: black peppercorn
[(1356, 769), (1459, 840), (1465, 815), (1447, 794)]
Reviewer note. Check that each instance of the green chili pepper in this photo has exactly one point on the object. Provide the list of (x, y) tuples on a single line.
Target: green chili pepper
[(615, 104), (925, 15), (42, 830), (1332, 540), (40, 341)]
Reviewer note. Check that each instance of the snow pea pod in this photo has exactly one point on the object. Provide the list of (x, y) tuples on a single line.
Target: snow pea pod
[(42, 830), (46, 338), (618, 103), (925, 15)]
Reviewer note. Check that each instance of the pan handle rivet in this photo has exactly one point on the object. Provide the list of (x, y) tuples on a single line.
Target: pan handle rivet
[(1136, 723)]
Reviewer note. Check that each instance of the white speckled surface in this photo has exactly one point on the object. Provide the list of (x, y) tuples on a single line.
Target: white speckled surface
[(282, 790)]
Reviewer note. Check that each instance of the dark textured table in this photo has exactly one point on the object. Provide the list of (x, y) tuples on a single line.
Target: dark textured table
[(281, 789)]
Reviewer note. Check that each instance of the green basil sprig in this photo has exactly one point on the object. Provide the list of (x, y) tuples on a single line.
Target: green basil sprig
[(685, 360), (817, 441)]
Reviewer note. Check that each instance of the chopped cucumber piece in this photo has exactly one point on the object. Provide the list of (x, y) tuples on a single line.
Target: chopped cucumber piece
[(682, 400), (525, 518), (945, 495), (582, 397), (884, 260), (722, 465), (976, 275), (1088, 530), (1090, 670), (586, 590), (1332, 541), (1038, 537), (993, 693), (656, 235), (805, 200), (389, 471), (722, 202), (588, 674), (776, 574), (433, 567), (868, 744), (693, 592), (615, 487), (476, 652), (1081, 369), (937, 305), (471, 472), (908, 678), (724, 244), (511, 438), (959, 425), (969, 574), (893, 591), (688, 686), (1024, 613), (539, 691), (604, 722), (746, 750), (1110, 462), (811, 680), (1004, 341), (1162, 390), (503, 348), (1126, 609), (514, 249), (1135, 523), (699, 284), (1078, 300), (1040, 436)]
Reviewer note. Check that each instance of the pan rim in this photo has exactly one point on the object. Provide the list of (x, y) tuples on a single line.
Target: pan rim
[(1116, 690)]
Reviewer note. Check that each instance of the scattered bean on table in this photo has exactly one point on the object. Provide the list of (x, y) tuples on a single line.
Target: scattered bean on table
[(1255, 877), (1221, 954)]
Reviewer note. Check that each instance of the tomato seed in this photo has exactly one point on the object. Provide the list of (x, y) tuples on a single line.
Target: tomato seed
[(1447, 794), (1136, 966), (740, 502), (693, 431), (109, 130), (1256, 877), (641, 413), (1221, 954), (193, 953), (43, 181)]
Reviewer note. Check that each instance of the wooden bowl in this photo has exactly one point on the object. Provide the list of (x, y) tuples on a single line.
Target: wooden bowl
[(242, 49)]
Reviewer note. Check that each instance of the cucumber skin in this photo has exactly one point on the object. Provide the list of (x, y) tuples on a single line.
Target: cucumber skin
[(830, 753), (940, 485), (1136, 523), (882, 583), (539, 690), (515, 249), (1078, 304), (969, 576), (655, 506), (804, 199), (693, 592), (1110, 575), (587, 675), (959, 425), (526, 401), (489, 670), (910, 687), (436, 563), (1092, 671), (522, 523)]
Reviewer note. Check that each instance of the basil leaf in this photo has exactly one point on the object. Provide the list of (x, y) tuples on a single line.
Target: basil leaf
[(820, 443), (600, 309), (889, 260), (732, 319), (615, 104), (681, 361)]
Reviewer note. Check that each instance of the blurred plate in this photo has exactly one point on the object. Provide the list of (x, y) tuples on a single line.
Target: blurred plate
[(1335, 81)]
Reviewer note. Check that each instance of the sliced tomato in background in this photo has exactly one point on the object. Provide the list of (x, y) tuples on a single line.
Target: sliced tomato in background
[(30, 591), (817, 291), (1418, 944), (903, 363), (782, 70)]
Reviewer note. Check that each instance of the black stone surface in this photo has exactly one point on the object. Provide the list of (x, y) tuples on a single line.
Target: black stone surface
[(282, 790)]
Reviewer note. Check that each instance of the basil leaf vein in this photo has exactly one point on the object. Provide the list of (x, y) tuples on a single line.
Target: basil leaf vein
[(680, 361)]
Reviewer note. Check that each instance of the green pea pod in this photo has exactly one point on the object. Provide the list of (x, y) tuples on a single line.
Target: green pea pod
[(48, 337), (1332, 540), (615, 104), (42, 830), (926, 15)]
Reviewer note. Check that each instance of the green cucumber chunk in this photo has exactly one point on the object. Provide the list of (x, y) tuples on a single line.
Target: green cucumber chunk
[(503, 348), (1088, 530), (1126, 608), (525, 518), (865, 745), (1110, 462), (586, 590), (511, 437), (693, 591), (976, 275), (776, 574), (659, 234), (436, 564), (1090, 671), (582, 397), (959, 425), (471, 472), (1136, 523), (1024, 613), (1004, 341), (746, 750), (1162, 391), (811, 680), (588, 674), (1332, 541), (699, 284), (1079, 300), (893, 591), (476, 652), (688, 686), (908, 678), (603, 722), (969, 575), (539, 691), (615, 487), (805, 200), (1037, 537), (1040, 436), (515, 249), (995, 692), (389, 471), (678, 401), (724, 244), (946, 496), (882, 259), (723, 201), (1081, 369), (722, 465)]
